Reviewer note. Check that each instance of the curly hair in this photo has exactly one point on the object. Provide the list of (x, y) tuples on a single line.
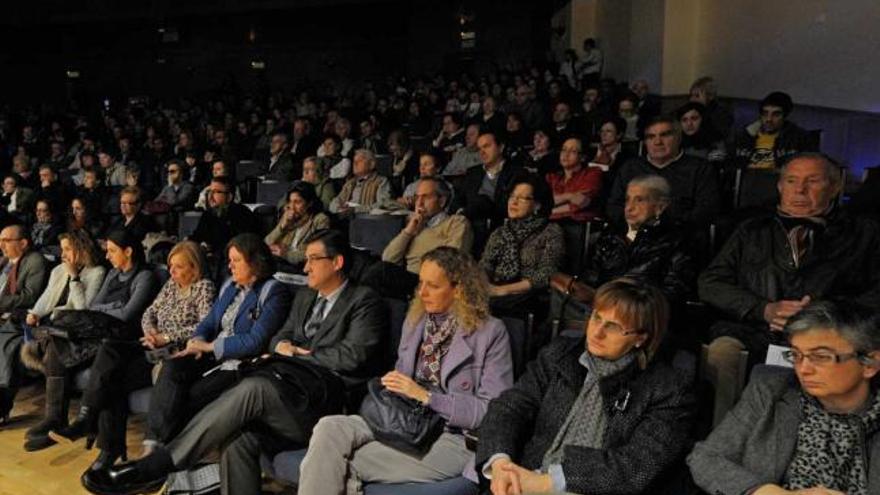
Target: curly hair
[(83, 246), (471, 303)]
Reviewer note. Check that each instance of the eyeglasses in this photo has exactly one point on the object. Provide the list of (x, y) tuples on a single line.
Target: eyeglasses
[(520, 199), (818, 358), (313, 259), (611, 327)]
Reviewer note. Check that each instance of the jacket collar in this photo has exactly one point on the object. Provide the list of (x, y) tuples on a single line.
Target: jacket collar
[(460, 351)]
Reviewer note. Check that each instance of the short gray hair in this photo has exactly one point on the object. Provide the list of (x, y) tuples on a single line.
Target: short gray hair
[(369, 155), (657, 186), (832, 168), (857, 324)]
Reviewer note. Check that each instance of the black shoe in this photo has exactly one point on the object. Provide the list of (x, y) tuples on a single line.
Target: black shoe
[(124, 479), (106, 460), (83, 426), (38, 442)]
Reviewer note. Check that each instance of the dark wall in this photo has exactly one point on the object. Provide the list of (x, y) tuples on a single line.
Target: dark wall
[(121, 52)]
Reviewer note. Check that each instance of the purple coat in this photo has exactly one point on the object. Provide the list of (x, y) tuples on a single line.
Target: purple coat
[(475, 370)]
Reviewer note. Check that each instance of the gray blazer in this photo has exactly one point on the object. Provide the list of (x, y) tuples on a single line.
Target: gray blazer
[(32, 275), (755, 442)]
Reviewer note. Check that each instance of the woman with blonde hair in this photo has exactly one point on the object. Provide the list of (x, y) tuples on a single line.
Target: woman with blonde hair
[(453, 358), (122, 367)]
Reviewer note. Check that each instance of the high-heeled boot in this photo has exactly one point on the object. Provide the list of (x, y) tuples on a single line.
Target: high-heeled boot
[(85, 425), (57, 403)]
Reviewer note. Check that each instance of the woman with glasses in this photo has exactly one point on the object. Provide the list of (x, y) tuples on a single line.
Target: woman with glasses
[(521, 255), (811, 430), (593, 414), (576, 188), (302, 216), (250, 308)]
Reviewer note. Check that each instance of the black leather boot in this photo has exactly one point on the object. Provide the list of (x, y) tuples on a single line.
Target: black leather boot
[(85, 425)]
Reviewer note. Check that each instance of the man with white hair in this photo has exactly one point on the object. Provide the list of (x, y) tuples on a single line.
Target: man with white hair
[(365, 190)]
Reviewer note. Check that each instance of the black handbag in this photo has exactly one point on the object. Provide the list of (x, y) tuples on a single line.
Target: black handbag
[(79, 325), (400, 422)]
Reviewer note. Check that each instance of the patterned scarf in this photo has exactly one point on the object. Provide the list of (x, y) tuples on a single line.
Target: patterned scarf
[(587, 420), (439, 329), (801, 231), (514, 233), (830, 448)]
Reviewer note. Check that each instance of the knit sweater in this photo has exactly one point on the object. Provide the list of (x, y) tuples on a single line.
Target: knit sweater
[(454, 231)]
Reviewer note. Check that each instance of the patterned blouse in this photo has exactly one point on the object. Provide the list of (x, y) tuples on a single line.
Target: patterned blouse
[(176, 314)]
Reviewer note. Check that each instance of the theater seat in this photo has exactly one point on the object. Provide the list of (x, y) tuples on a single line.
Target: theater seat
[(285, 469)]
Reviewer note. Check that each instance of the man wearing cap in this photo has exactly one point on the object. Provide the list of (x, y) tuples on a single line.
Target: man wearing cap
[(764, 143)]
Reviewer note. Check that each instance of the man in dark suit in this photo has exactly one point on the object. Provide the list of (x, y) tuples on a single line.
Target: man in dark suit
[(224, 219), (484, 190), (330, 343), (23, 275), (280, 160)]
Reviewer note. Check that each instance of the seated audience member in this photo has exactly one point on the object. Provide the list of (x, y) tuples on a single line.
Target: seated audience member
[(694, 183), (595, 414), (80, 217), (466, 157), (302, 143), (626, 110), (334, 330), (51, 189), (775, 264), (451, 137), (179, 194), (698, 138), (453, 358), (365, 190), (219, 168), (92, 191), (281, 166), (592, 112), (484, 190), (541, 160), (429, 227), (563, 126), (515, 136), (133, 218), (765, 143), (647, 248), (577, 188), (489, 117), (334, 165), (249, 310), (610, 154), (522, 254), (648, 106), (16, 199), (45, 230), (370, 138), (184, 301), (22, 279), (404, 160), (705, 91), (314, 175), (808, 430), (429, 166), (112, 170), (303, 215), (126, 291), (224, 218)]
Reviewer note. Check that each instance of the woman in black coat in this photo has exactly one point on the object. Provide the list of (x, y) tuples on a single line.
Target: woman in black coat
[(605, 420)]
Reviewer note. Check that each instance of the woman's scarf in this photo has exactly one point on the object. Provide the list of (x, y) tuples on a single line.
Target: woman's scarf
[(439, 329), (514, 233), (830, 449)]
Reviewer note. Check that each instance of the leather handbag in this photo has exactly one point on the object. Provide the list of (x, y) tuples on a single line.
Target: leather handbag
[(400, 422), (572, 288)]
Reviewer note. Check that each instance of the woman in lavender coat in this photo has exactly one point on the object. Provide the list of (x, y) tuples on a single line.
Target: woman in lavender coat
[(453, 357)]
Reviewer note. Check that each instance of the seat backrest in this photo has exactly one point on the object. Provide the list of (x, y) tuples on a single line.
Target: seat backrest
[(384, 164), (756, 188), (269, 192), (188, 221), (246, 169), (397, 309)]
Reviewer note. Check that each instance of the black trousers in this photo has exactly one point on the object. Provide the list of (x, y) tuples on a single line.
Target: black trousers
[(120, 367), (181, 391)]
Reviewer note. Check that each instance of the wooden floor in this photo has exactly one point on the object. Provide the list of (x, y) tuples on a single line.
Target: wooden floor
[(53, 471)]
